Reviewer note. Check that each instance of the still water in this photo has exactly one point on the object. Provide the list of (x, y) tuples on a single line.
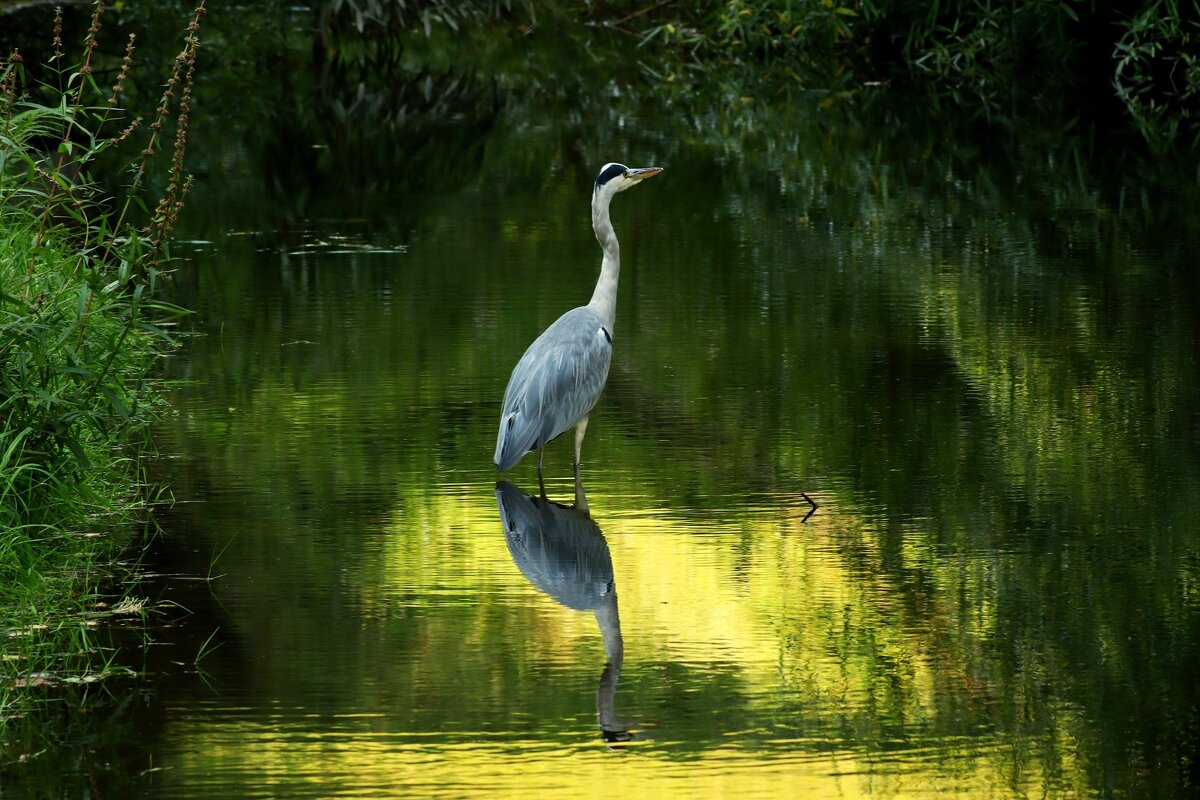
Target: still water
[(981, 370)]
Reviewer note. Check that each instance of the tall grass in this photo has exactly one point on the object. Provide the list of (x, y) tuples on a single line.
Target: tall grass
[(81, 333)]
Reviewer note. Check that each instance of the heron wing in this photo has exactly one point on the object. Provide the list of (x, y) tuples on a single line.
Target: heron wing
[(554, 385)]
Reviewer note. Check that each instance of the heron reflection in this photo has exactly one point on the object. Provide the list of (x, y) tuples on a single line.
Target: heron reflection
[(562, 552)]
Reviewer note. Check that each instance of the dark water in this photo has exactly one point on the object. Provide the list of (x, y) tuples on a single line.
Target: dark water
[(977, 356)]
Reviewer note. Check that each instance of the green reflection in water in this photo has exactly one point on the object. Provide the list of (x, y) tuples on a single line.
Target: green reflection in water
[(993, 399)]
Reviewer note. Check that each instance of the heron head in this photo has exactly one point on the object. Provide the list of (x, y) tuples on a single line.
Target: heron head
[(615, 178)]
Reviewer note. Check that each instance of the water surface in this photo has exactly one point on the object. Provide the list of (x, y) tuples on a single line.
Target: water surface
[(979, 363), (991, 401)]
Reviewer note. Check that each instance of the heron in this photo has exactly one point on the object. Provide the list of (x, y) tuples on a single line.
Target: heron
[(558, 380)]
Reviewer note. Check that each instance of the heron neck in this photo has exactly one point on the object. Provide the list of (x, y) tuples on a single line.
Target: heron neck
[(614, 649), (609, 620), (604, 298)]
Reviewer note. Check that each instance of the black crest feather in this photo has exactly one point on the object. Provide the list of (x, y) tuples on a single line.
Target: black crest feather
[(609, 172)]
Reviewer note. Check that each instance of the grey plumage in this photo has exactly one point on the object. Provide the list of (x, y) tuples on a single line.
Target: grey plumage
[(554, 385), (558, 380)]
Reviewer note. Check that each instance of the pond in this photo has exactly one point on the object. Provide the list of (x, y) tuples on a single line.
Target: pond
[(988, 391), (975, 354)]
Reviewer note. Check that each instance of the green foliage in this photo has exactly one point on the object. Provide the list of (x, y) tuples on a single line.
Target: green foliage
[(358, 37), (807, 42), (976, 53), (81, 332), (1158, 69)]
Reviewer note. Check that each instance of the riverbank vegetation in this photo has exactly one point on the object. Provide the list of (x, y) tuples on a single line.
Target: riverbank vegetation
[(82, 331), (1133, 62), (980, 55)]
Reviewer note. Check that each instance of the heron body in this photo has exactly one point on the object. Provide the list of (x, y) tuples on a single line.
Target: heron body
[(554, 385), (558, 380)]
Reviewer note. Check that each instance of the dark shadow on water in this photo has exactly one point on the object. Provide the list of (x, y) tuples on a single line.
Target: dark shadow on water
[(562, 552)]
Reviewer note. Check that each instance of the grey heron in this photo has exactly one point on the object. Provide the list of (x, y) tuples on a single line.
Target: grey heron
[(558, 380)]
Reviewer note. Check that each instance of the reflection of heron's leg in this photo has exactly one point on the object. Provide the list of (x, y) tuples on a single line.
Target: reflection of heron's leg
[(580, 497), (541, 483)]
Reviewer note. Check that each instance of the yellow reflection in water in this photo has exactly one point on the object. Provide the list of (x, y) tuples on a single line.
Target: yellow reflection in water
[(285, 763), (853, 683)]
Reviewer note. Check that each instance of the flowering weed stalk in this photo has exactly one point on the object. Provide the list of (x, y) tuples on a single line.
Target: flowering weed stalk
[(81, 333)]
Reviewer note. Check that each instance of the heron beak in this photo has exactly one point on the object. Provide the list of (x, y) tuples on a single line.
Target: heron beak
[(642, 174)]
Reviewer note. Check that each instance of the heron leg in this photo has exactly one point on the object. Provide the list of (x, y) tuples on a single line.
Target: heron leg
[(541, 483), (580, 498)]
